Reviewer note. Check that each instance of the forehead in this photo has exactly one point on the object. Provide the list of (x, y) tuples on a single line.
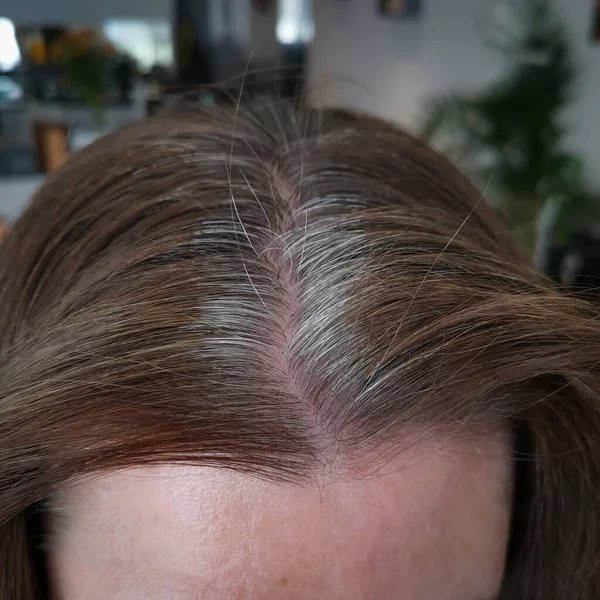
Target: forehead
[(431, 525)]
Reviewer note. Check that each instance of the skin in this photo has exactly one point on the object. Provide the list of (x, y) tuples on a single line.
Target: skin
[(429, 525)]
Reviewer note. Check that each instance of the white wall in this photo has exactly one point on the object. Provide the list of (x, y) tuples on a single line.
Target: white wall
[(583, 117), (81, 12), (385, 66)]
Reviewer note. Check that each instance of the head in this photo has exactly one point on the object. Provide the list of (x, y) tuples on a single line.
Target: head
[(280, 352)]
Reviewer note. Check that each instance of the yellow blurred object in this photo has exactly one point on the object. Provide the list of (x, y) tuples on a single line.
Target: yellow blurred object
[(55, 51), (37, 52), (74, 43)]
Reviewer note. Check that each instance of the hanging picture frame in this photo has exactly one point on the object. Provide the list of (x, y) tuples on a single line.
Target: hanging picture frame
[(596, 21), (400, 9), (262, 6)]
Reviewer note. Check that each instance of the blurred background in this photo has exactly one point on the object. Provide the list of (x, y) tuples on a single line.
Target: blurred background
[(508, 89)]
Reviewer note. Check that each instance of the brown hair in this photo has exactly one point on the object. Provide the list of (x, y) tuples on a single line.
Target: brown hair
[(265, 287)]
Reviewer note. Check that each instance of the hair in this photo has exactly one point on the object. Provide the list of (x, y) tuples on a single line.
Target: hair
[(268, 287)]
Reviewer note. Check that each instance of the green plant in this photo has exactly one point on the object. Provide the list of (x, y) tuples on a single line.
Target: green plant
[(510, 135), (86, 59)]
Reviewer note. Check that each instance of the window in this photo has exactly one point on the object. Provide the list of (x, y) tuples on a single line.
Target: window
[(295, 21), (149, 43), (10, 55)]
